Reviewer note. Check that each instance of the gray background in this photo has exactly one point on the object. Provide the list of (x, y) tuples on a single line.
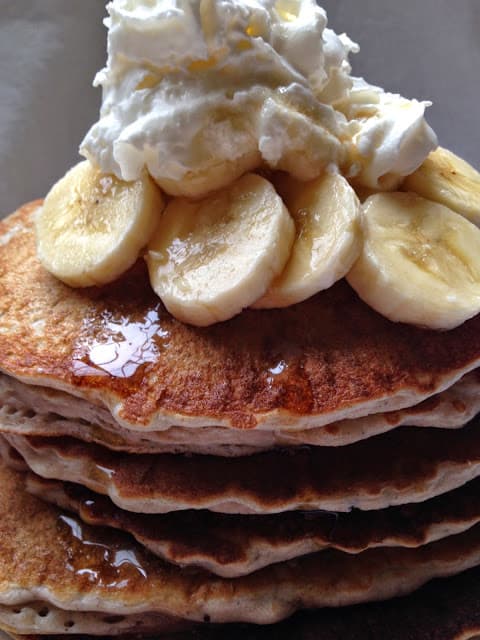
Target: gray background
[(51, 49)]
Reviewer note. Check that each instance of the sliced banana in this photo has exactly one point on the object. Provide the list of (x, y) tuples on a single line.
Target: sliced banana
[(328, 238), (449, 180), (211, 258), (200, 183), (92, 226), (420, 262)]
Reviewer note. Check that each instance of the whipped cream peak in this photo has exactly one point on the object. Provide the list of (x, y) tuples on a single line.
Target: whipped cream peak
[(201, 91), (214, 27)]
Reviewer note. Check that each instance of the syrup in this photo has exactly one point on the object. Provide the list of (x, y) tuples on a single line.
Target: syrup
[(112, 344), (107, 565), (278, 369), (276, 374), (286, 379)]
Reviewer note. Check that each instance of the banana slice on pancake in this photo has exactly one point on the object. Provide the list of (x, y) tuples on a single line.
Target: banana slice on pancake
[(92, 226), (420, 262), (449, 180), (216, 175), (328, 238), (211, 258)]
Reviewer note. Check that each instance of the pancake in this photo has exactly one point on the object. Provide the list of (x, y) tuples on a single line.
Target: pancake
[(36, 411), (230, 545), (327, 359), (116, 369), (442, 610), (34, 617), (403, 466), (93, 570)]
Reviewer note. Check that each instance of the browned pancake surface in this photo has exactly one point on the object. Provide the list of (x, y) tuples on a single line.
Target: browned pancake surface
[(442, 610), (31, 410), (231, 545), (118, 344), (403, 466), (47, 554)]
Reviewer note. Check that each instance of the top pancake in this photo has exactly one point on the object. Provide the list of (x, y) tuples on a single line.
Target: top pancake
[(327, 359), (38, 411)]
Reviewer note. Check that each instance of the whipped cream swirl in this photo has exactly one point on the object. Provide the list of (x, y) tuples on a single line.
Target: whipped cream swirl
[(200, 91)]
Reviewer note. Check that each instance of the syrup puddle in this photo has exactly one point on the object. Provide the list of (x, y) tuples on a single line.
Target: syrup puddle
[(273, 373), (278, 368), (111, 344), (99, 563)]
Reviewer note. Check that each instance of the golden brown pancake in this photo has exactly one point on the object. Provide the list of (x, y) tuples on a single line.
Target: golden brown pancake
[(230, 545), (119, 352), (323, 360), (88, 570), (442, 610), (403, 466), (38, 411)]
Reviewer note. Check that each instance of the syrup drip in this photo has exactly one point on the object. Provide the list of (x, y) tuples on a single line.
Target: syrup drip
[(109, 566), (105, 471), (285, 379), (276, 370), (114, 345)]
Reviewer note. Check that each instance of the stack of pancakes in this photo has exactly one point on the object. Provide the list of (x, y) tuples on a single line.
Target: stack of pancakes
[(158, 476)]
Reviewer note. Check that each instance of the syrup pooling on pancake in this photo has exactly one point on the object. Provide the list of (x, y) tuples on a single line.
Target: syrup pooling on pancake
[(114, 345), (97, 562)]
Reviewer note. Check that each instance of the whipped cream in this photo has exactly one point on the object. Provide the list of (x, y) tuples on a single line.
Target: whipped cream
[(200, 91), (392, 137)]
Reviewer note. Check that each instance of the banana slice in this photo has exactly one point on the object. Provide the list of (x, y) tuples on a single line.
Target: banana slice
[(449, 180), (211, 258), (420, 262), (205, 180), (328, 238), (92, 226)]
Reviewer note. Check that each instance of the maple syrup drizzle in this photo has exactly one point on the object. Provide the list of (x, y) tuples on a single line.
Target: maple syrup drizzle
[(109, 566), (275, 372), (112, 344), (105, 471)]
